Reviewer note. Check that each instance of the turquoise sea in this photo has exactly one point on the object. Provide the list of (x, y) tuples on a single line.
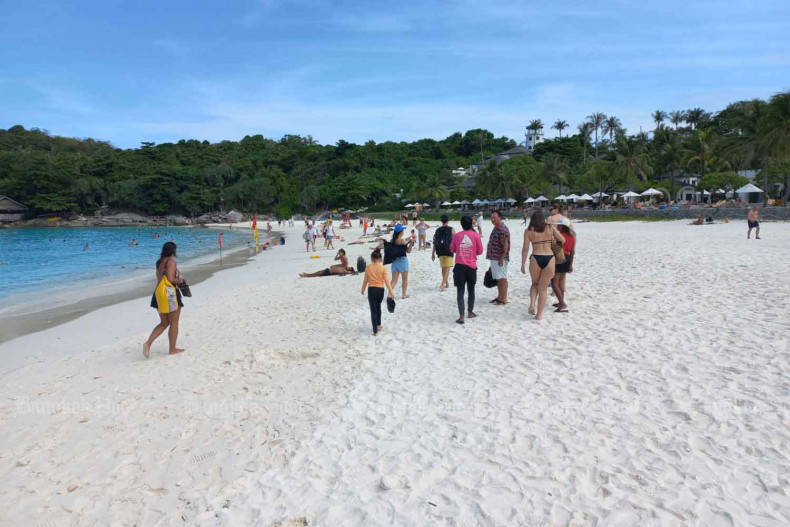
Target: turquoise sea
[(41, 262)]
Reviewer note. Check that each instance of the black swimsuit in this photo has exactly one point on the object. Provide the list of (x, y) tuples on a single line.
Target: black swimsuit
[(542, 259)]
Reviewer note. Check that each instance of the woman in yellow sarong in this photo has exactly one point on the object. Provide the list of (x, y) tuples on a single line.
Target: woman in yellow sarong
[(166, 299)]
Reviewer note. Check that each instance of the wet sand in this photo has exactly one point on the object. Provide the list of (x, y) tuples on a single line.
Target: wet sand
[(24, 324)]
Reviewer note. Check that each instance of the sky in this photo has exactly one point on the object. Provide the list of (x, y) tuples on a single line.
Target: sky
[(162, 71)]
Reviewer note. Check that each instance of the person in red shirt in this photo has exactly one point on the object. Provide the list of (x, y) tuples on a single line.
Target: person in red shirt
[(561, 270)]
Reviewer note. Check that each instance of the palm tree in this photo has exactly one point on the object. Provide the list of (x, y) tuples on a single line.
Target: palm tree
[(672, 155), (632, 159), (612, 126), (676, 117), (775, 133), (560, 125), (535, 125), (596, 120), (658, 117), (694, 116), (555, 169), (699, 150), (585, 129)]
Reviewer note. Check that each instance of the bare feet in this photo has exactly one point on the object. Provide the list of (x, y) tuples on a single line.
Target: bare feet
[(538, 317), (441, 288), (379, 328), (375, 334), (146, 350), (404, 297), (301, 275), (176, 351), (531, 310)]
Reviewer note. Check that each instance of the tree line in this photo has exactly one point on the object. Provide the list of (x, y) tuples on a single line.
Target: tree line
[(602, 156), (52, 174)]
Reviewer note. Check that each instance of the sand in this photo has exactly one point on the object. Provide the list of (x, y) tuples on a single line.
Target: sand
[(661, 398)]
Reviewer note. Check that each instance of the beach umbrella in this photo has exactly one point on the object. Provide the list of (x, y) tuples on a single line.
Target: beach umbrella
[(529, 200), (476, 202), (409, 206), (651, 192), (600, 195), (426, 204), (456, 203), (561, 197), (465, 202), (485, 202), (541, 198), (573, 197), (748, 189), (586, 197), (630, 194), (510, 200), (446, 204)]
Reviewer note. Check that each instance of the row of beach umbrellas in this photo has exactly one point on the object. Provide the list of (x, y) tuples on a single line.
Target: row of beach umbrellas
[(573, 197)]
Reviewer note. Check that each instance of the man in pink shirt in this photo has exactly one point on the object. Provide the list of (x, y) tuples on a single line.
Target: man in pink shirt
[(467, 246)]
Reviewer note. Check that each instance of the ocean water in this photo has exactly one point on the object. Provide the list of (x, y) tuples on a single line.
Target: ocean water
[(54, 266)]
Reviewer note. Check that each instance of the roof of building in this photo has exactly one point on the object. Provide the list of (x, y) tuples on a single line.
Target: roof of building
[(514, 151), (11, 202)]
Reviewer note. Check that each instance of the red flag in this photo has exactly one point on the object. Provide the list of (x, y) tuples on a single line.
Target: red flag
[(220, 240), (255, 221)]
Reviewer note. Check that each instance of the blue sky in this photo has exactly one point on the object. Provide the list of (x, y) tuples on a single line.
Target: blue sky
[(171, 69)]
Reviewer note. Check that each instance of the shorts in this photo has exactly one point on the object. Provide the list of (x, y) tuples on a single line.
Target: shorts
[(400, 265), (498, 272), (326, 272), (562, 267), (446, 261), (463, 275), (753, 224)]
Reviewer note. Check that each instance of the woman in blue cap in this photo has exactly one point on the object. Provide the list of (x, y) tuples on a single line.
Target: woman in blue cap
[(400, 266)]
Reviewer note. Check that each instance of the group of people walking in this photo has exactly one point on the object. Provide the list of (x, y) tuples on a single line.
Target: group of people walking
[(549, 238)]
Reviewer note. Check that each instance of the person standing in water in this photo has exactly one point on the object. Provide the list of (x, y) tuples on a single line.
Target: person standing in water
[(753, 222), (466, 246), (442, 239), (166, 299), (375, 280)]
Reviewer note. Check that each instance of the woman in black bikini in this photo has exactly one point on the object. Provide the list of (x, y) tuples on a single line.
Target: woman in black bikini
[(541, 263)]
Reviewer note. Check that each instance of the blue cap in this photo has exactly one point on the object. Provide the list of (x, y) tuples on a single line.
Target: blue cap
[(399, 228)]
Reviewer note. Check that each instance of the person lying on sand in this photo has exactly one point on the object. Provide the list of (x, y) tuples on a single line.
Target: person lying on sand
[(337, 269), (699, 221)]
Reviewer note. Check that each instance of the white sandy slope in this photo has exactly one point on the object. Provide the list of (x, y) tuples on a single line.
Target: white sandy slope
[(662, 398)]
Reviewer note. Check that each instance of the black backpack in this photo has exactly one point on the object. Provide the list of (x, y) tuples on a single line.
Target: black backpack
[(442, 239), (361, 264)]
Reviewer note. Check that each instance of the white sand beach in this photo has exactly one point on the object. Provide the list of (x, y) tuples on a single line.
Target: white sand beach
[(662, 398)]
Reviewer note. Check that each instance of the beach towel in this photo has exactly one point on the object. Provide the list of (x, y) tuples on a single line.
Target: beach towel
[(392, 252)]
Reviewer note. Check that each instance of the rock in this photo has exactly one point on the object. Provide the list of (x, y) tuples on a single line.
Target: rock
[(73, 487), (22, 463), (234, 217)]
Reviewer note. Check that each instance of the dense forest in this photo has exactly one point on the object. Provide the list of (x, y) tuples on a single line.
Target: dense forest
[(295, 174)]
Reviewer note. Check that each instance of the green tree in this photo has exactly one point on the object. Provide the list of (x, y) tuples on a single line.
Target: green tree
[(632, 159), (676, 117), (585, 129), (596, 121), (560, 125), (613, 127), (658, 117), (556, 170)]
